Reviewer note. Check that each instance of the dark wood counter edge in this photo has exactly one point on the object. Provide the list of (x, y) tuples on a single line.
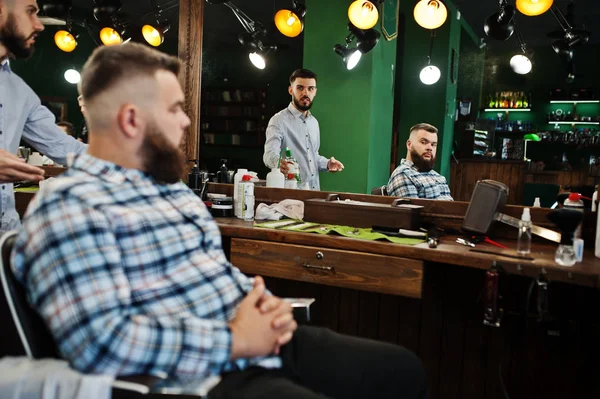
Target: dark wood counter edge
[(445, 214), (481, 160), (586, 273)]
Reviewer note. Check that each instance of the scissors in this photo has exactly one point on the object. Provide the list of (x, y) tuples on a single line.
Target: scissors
[(465, 242)]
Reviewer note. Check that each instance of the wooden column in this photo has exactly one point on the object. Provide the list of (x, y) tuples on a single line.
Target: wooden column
[(191, 22)]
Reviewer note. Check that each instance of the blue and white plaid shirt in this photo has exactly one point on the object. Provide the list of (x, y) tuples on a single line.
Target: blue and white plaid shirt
[(407, 182), (130, 275)]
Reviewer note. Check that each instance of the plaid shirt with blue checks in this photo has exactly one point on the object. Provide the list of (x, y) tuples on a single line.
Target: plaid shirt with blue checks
[(407, 182), (130, 275)]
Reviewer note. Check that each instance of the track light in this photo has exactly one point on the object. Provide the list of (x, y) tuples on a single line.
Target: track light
[(430, 74), (66, 39), (572, 37), (106, 9), (520, 63), (366, 40), (500, 25), (56, 8), (363, 13), (72, 76), (290, 22), (257, 59), (350, 56), (430, 14), (533, 8), (110, 37), (155, 36)]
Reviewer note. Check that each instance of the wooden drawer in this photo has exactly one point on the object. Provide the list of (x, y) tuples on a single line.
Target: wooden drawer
[(348, 269)]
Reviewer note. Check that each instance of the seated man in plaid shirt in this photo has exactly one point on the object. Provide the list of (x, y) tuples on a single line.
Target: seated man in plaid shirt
[(126, 267), (415, 177)]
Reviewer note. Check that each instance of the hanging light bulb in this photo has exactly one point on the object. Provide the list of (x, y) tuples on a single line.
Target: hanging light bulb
[(533, 8), (258, 60), (430, 14), (291, 22), (521, 64), (110, 37), (363, 14), (65, 40), (430, 74), (72, 76)]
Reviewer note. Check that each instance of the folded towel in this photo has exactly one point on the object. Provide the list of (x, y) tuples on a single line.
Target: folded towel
[(290, 208)]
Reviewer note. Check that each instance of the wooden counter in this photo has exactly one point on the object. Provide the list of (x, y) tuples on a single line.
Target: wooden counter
[(586, 273), (430, 300)]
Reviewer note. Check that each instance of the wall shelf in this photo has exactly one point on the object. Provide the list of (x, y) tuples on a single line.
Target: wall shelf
[(575, 102), (572, 123), (507, 110)]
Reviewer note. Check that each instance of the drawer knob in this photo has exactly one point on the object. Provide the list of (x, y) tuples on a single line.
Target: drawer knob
[(320, 255)]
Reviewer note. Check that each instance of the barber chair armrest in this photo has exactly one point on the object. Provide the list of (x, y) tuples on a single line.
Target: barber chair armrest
[(301, 308)]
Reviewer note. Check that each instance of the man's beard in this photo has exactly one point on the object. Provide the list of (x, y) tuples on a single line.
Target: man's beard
[(14, 43), (300, 106), (422, 164), (162, 161)]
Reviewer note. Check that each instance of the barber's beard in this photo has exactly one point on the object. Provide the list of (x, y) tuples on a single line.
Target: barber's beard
[(301, 106), (422, 164), (162, 161), (15, 43)]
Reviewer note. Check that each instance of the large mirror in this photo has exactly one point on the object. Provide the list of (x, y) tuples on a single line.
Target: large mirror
[(537, 132)]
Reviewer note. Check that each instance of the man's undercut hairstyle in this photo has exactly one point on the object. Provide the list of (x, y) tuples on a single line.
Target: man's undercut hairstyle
[(424, 126), (110, 65), (302, 73)]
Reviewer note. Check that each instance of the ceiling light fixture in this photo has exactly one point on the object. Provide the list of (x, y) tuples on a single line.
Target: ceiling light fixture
[(366, 40), (72, 76), (66, 39), (350, 56), (363, 13), (430, 14), (500, 25), (572, 37), (430, 74), (533, 8), (110, 37), (155, 34), (290, 22), (56, 8), (520, 63)]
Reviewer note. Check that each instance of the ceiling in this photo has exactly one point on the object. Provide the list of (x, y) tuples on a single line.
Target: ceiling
[(221, 27), (533, 29)]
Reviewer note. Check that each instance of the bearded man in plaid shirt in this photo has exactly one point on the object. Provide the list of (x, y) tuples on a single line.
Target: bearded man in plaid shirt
[(415, 177), (126, 267)]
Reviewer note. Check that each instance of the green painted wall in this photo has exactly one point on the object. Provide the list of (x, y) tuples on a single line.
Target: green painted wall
[(433, 104), (354, 108)]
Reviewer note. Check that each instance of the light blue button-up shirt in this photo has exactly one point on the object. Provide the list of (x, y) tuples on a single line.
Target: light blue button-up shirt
[(290, 128), (23, 115)]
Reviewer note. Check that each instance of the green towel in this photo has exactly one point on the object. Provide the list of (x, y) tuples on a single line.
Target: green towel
[(346, 231), (30, 189)]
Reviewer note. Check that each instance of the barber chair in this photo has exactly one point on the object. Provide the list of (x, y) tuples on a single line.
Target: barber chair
[(380, 190), (24, 333)]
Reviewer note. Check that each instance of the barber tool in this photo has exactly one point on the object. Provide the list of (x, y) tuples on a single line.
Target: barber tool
[(492, 314), (465, 242), (487, 201), (395, 232), (567, 221)]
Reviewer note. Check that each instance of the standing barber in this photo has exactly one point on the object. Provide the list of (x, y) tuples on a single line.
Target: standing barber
[(21, 111), (296, 128)]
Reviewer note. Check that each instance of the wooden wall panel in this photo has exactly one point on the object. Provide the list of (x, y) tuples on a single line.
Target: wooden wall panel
[(191, 17), (462, 357)]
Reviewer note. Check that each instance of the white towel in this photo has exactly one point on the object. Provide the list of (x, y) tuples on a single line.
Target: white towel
[(24, 378), (290, 208)]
